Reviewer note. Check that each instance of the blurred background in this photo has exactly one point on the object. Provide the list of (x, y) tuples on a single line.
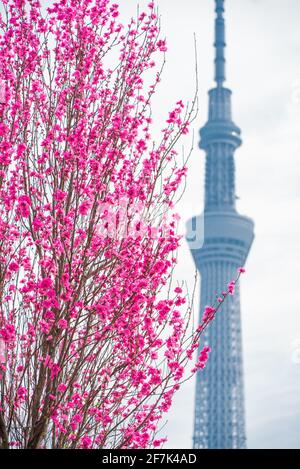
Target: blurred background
[(263, 71)]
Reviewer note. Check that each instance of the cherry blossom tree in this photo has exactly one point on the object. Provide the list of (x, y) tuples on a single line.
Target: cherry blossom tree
[(94, 339)]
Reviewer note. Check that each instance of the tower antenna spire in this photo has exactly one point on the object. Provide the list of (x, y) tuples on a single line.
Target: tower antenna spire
[(220, 44)]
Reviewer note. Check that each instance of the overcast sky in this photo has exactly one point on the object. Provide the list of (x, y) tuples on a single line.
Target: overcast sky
[(263, 70)]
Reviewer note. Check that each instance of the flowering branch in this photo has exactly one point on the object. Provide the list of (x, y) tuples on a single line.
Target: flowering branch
[(90, 344)]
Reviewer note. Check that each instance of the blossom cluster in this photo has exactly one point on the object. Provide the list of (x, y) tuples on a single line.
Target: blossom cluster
[(91, 348)]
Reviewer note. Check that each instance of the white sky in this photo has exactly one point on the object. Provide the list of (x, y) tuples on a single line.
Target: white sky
[(263, 70)]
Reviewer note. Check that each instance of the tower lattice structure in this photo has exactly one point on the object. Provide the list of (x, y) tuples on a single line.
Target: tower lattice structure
[(219, 404)]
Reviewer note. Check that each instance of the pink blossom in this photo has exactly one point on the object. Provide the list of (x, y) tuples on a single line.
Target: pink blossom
[(62, 324), (14, 267), (55, 370), (59, 195), (24, 204), (84, 208), (37, 223), (162, 45), (231, 288), (86, 442), (22, 393), (45, 326), (77, 418), (8, 333), (159, 443), (202, 359), (61, 387), (208, 313), (45, 283)]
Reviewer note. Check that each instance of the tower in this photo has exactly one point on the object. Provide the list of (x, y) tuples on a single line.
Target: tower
[(219, 404)]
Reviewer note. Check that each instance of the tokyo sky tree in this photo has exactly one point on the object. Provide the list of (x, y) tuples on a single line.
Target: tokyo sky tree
[(219, 405)]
